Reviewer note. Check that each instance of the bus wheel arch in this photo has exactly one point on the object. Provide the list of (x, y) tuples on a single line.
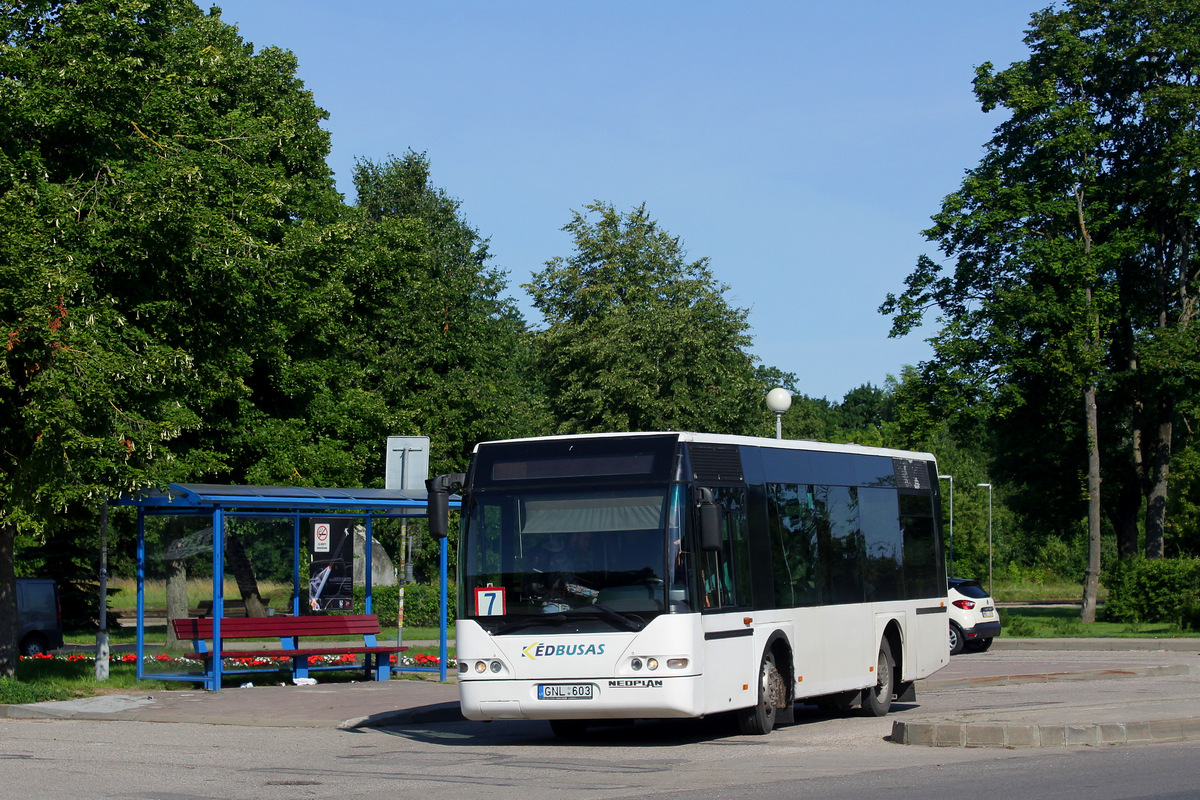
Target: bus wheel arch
[(781, 648), (760, 718), (877, 699), (775, 696), (894, 636)]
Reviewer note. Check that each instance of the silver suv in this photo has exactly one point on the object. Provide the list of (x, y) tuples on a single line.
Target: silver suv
[(974, 621)]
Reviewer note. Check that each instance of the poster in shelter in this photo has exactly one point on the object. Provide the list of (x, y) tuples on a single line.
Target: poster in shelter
[(331, 581)]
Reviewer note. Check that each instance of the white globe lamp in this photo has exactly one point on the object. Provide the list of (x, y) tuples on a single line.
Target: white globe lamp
[(779, 401)]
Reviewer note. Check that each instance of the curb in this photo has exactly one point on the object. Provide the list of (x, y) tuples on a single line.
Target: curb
[(1009, 735), (1012, 735)]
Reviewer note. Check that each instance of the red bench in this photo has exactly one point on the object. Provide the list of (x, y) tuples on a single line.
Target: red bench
[(377, 658)]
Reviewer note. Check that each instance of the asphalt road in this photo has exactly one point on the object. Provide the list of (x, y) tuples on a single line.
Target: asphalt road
[(817, 758), (821, 756)]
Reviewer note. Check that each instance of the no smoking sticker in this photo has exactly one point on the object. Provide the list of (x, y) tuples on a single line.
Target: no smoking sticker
[(321, 537)]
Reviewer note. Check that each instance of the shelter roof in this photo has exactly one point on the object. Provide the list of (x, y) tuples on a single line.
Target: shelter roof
[(185, 497)]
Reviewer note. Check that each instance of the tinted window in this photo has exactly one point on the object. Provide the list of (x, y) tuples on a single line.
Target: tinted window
[(923, 569), (971, 589), (883, 565), (840, 543), (793, 545)]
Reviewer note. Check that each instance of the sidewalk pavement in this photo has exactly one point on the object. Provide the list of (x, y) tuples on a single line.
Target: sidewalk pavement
[(1138, 691), (1162, 708)]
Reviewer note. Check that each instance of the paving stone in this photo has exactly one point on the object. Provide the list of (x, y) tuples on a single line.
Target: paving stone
[(985, 735), (1112, 733), (1166, 730), (1022, 736), (1053, 735), (1083, 734), (949, 734)]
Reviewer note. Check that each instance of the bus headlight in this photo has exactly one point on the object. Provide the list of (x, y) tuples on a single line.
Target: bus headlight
[(463, 666), (636, 664), (497, 666), (480, 667), (652, 663), (677, 663)]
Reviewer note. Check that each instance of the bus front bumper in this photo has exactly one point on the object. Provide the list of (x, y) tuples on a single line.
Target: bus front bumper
[(606, 698)]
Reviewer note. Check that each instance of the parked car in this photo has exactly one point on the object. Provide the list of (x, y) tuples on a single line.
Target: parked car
[(973, 618), (39, 616)]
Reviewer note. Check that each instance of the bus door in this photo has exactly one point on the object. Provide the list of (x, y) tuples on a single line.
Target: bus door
[(730, 662)]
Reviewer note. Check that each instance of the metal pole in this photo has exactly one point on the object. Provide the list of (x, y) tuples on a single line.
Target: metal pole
[(141, 592), (400, 581), (102, 651), (368, 606), (443, 649), (218, 606)]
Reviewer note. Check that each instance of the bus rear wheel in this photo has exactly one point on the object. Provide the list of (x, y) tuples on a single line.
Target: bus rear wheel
[(877, 699), (759, 719)]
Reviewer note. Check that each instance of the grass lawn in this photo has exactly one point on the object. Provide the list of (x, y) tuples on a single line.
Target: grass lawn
[(41, 680), (1006, 591), (1063, 623)]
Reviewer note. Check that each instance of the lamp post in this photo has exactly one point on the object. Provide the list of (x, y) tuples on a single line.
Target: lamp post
[(989, 488), (951, 479), (779, 401)]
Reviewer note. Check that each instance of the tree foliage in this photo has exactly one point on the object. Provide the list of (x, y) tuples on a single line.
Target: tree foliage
[(639, 338), (152, 170), (400, 328), (1073, 275)]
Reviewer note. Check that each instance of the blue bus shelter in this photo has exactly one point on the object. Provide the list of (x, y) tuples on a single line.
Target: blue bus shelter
[(220, 503)]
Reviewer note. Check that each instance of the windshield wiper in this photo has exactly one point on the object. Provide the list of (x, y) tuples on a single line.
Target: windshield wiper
[(630, 622), (525, 622)]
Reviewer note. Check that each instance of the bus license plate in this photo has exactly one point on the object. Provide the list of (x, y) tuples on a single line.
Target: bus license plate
[(564, 691), (989, 612)]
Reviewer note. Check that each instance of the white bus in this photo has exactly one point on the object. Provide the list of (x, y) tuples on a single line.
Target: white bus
[(675, 575)]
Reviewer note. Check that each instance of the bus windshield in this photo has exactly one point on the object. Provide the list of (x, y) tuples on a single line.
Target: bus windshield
[(532, 558)]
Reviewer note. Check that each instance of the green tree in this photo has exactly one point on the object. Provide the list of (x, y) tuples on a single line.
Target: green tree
[(401, 328), (153, 171), (638, 338), (1070, 240)]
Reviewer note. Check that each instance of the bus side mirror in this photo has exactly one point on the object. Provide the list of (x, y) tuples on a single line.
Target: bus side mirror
[(710, 522), (439, 501)]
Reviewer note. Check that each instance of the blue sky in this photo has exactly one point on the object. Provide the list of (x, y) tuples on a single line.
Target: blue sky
[(800, 146)]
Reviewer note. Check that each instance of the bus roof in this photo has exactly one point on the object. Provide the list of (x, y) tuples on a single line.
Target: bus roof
[(720, 438)]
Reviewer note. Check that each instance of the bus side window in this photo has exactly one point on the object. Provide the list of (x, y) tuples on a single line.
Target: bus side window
[(725, 575)]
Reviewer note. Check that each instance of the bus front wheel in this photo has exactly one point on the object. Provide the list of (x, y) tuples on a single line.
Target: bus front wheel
[(759, 719), (877, 699)]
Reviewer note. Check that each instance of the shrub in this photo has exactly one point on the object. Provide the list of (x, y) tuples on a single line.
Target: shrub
[(1015, 626), (1159, 590), (420, 604)]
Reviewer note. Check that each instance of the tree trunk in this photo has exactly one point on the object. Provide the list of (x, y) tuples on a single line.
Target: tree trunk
[(1158, 473), (8, 602), (177, 599), (1125, 516), (243, 572), (1091, 583)]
